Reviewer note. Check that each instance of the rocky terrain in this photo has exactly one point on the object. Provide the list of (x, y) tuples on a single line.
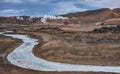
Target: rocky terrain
[(114, 30)]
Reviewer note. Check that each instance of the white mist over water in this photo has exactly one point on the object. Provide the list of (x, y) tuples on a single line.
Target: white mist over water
[(46, 17)]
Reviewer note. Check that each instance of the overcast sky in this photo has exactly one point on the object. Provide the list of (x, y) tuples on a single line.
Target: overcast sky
[(52, 7)]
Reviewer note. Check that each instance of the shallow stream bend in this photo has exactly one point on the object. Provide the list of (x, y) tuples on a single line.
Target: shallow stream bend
[(22, 56)]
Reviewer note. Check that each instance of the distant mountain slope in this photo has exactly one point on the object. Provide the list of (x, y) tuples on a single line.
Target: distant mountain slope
[(95, 15), (116, 10), (103, 13), (112, 21)]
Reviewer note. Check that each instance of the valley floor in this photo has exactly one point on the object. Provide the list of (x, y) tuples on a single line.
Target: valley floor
[(64, 46)]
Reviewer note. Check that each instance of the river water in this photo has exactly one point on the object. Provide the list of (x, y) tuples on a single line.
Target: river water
[(22, 56)]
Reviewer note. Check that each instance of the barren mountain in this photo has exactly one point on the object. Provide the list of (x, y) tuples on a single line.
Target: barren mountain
[(103, 13), (116, 10), (85, 17), (95, 15)]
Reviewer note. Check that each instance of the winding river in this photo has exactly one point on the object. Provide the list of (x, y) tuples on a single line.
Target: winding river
[(22, 56)]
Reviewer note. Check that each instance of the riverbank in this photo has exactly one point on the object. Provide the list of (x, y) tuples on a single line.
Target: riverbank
[(13, 69), (39, 35), (79, 48)]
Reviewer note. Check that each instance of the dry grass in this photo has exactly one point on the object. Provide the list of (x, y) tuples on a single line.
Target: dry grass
[(79, 28), (81, 48), (65, 46)]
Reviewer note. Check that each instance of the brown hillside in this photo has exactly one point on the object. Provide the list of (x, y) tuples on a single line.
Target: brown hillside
[(94, 15), (116, 10)]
